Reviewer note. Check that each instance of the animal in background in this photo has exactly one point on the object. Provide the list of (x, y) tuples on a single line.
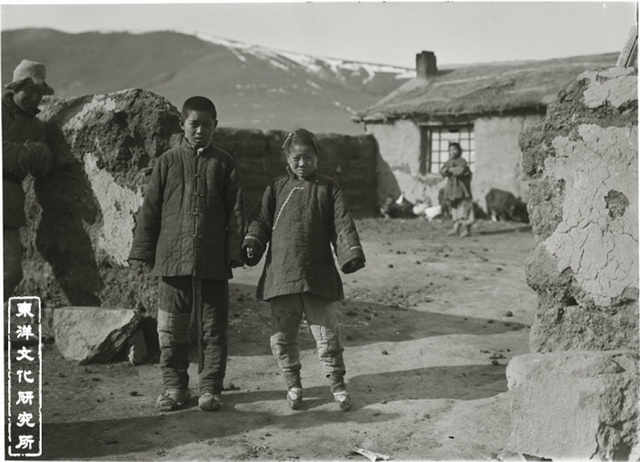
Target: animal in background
[(503, 205), (400, 208)]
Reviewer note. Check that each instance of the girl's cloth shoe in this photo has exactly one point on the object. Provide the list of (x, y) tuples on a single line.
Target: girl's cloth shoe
[(343, 399), (294, 398), (209, 402), (172, 399)]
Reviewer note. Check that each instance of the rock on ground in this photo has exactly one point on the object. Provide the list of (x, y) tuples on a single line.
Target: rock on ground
[(574, 405), (93, 334)]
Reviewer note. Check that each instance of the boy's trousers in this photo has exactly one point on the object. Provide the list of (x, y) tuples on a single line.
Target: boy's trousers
[(286, 316), (177, 307)]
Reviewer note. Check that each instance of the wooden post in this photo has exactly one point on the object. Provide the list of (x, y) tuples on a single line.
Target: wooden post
[(629, 55)]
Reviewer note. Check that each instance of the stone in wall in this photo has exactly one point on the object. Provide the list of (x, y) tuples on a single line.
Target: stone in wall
[(583, 161)]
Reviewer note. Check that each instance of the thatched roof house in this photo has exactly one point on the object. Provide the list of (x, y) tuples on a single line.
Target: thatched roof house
[(482, 89), (484, 107)]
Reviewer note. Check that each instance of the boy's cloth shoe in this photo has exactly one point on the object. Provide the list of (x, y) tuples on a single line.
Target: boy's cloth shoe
[(209, 402), (171, 400), (465, 232), (343, 399), (294, 398)]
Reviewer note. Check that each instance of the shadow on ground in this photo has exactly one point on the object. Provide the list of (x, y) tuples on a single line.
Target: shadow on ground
[(519, 229), (106, 438), (158, 433), (361, 323)]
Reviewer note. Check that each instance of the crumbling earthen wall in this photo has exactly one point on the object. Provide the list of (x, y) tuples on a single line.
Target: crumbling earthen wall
[(583, 165), (82, 215), (576, 396)]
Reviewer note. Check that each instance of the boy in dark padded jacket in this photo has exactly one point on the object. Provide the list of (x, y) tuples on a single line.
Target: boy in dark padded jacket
[(190, 229)]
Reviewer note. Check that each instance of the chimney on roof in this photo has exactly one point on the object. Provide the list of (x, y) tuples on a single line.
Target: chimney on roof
[(426, 65)]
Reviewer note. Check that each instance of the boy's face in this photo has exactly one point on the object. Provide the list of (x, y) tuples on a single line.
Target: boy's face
[(198, 128), (302, 159), (454, 152), (28, 96)]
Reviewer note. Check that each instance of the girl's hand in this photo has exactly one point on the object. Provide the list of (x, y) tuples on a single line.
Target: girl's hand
[(249, 252), (251, 257)]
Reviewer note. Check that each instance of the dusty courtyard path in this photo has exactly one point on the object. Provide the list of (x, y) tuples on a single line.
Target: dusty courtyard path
[(428, 327)]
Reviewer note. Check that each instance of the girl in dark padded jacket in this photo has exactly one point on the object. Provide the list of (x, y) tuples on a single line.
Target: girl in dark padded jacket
[(302, 215)]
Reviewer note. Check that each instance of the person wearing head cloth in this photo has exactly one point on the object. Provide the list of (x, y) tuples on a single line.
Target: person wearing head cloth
[(457, 192), (303, 214), (24, 152)]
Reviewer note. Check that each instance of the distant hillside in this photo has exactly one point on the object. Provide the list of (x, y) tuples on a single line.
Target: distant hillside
[(253, 86)]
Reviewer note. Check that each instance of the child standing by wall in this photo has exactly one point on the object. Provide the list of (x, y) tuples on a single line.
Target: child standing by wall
[(457, 192), (190, 229), (301, 215)]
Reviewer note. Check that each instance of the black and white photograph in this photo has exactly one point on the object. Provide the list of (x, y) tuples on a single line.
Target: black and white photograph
[(311, 231)]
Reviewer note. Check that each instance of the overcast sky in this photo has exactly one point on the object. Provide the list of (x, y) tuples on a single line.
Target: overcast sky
[(386, 33)]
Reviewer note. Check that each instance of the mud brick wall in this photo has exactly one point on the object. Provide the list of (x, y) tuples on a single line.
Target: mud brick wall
[(82, 215), (583, 165), (350, 160)]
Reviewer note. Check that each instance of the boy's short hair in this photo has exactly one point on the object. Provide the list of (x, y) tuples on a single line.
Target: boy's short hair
[(199, 103), (457, 145)]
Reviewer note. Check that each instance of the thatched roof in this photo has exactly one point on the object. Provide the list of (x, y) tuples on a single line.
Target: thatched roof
[(485, 89)]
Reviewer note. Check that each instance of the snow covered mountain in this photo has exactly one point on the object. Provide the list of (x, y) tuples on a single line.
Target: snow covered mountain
[(253, 86)]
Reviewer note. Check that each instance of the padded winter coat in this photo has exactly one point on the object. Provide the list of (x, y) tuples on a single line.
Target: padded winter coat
[(458, 176), (191, 222), (24, 151), (301, 219)]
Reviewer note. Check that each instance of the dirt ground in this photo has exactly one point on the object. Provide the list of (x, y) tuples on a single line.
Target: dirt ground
[(428, 328)]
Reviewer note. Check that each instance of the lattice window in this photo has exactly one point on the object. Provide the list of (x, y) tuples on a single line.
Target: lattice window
[(435, 141)]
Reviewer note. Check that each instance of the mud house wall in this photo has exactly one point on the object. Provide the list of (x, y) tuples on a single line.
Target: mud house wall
[(81, 217), (498, 156), (498, 159), (583, 164), (399, 163)]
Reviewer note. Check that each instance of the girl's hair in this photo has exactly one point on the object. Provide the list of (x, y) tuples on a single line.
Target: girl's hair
[(302, 135), (457, 145)]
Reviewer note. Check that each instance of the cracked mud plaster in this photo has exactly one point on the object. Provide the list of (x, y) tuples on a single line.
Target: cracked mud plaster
[(601, 250), (616, 86), (118, 206)]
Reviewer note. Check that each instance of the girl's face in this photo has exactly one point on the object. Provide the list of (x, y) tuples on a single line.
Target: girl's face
[(302, 159), (454, 152)]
